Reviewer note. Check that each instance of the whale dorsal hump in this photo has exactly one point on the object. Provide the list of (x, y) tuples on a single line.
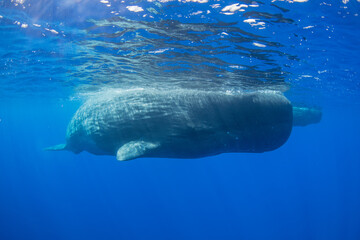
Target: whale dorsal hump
[(134, 149)]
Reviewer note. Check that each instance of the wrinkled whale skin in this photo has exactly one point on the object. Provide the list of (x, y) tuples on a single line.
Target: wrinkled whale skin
[(179, 123)]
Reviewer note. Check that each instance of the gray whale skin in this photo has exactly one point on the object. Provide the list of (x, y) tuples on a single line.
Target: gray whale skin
[(179, 123)]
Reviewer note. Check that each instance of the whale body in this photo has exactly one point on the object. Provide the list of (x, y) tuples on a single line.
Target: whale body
[(179, 123)]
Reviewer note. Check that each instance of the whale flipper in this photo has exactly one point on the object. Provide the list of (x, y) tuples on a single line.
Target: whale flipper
[(58, 147), (134, 149)]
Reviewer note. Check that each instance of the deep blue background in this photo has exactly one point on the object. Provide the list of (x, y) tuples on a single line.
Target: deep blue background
[(307, 189)]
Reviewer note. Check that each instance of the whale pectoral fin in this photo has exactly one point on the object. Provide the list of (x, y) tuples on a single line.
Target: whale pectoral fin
[(134, 149)]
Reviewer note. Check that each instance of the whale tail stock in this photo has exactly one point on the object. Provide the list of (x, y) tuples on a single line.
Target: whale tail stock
[(303, 116), (59, 147)]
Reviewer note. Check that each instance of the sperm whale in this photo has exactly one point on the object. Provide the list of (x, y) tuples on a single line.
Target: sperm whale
[(138, 123)]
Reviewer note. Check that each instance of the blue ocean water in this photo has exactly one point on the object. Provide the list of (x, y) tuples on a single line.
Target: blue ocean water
[(54, 54)]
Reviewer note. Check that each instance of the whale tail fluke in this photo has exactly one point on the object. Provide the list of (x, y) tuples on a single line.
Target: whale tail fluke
[(303, 116), (59, 147)]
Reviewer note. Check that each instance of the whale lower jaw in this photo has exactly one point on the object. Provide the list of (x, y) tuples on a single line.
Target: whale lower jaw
[(59, 147)]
